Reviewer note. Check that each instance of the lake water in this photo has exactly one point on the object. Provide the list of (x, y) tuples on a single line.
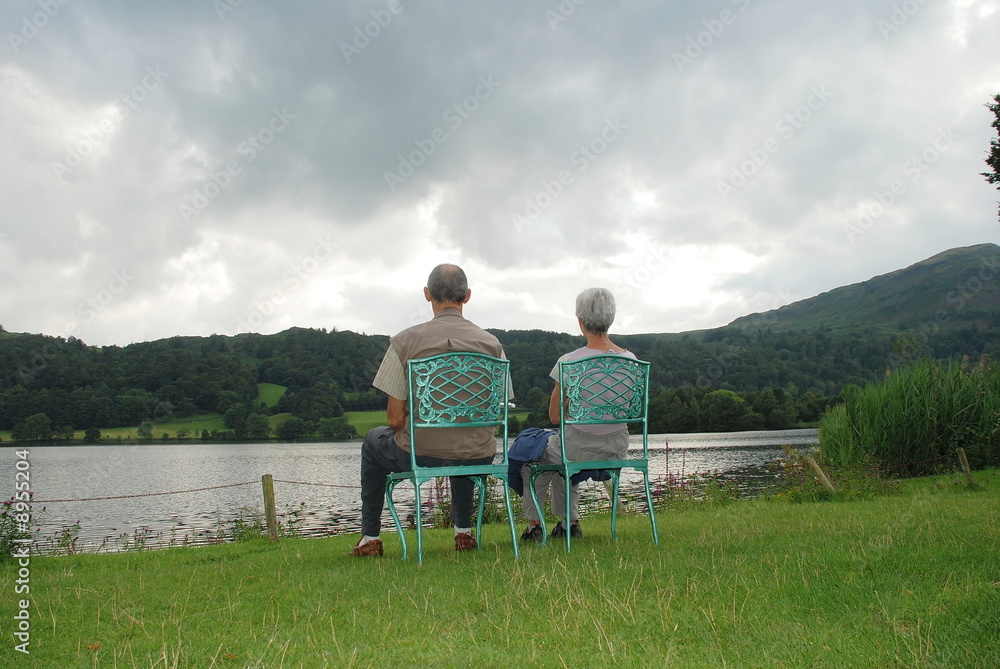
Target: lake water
[(316, 484)]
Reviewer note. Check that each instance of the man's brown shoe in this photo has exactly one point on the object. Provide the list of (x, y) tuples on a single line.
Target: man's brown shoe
[(371, 549), (465, 542)]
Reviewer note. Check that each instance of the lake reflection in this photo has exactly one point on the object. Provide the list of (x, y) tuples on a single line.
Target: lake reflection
[(316, 484)]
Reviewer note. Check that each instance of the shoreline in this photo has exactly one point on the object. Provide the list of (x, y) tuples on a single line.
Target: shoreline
[(6, 442)]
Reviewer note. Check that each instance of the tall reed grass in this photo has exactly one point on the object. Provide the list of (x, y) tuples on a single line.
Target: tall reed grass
[(916, 417)]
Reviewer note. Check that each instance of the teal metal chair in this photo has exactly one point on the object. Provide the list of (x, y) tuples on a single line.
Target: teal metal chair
[(447, 391), (601, 390)]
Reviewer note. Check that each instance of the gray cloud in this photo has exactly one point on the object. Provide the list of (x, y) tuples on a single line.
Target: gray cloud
[(257, 166)]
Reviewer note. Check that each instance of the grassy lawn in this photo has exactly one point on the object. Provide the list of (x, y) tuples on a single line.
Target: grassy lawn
[(908, 580)]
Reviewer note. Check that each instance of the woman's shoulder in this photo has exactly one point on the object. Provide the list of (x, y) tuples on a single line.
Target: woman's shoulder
[(576, 354), (585, 352)]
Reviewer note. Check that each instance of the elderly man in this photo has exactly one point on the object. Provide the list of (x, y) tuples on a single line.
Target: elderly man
[(387, 449)]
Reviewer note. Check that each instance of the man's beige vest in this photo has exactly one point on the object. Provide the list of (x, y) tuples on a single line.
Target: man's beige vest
[(447, 331)]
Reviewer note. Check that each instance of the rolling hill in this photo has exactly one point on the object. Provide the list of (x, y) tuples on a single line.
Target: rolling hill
[(953, 289)]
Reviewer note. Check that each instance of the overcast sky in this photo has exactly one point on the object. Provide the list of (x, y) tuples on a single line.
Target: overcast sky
[(189, 168)]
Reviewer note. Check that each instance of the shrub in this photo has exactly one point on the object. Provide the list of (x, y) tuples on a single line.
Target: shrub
[(12, 524), (864, 480), (914, 419)]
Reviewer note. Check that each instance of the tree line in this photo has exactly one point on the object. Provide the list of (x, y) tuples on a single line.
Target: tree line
[(731, 378), (79, 386)]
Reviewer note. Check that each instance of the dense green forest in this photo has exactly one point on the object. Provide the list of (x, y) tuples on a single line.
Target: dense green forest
[(763, 371), (79, 386), (740, 378), (726, 379)]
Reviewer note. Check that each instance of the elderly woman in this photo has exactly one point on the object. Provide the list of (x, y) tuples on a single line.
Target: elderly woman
[(595, 311)]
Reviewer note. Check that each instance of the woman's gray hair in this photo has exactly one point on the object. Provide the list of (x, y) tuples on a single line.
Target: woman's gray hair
[(447, 283), (595, 307)]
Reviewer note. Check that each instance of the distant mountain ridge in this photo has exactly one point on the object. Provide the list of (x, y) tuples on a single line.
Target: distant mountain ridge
[(953, 289)]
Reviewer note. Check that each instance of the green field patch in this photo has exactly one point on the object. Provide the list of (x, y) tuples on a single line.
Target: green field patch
[(194, 425), (277, 419), (363, 421), (269, 393)]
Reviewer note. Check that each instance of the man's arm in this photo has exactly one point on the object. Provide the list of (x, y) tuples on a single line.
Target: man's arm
[(554, 409), (395, 412), (391, 379)]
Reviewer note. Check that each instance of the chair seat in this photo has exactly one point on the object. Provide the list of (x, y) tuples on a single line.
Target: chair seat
[(427, 473), (574, 466)]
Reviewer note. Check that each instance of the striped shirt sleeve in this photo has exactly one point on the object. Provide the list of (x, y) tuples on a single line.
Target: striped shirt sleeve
[(390, 378)]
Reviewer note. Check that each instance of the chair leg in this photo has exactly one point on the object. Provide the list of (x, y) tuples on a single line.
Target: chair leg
[(538, 507), (481, 487), (615, 492), (652, 511), (568, 483), (389, 488), (418, 515), (510, 519)]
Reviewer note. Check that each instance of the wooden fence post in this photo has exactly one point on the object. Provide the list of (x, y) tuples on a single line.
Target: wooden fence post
[(819, 474), (270, 513), (965, 466)]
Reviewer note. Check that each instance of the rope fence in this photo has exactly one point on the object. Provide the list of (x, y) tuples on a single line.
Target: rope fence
[(324, 485), (656, 478), (143, 494), (227, 485), (659, 481)]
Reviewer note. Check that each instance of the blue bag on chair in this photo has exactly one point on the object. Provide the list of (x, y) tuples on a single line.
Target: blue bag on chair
[(528, 446)]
